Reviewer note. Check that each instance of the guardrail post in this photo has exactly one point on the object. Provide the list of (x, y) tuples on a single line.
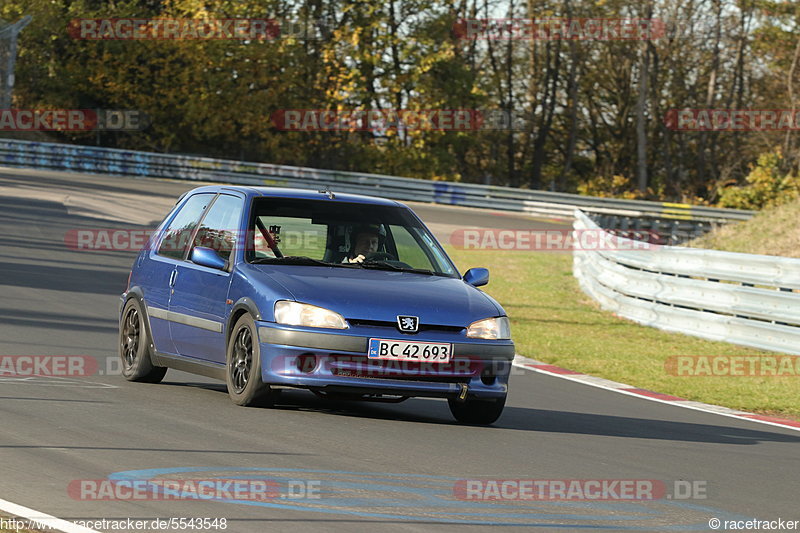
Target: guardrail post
[(8, 56), (746, 299)]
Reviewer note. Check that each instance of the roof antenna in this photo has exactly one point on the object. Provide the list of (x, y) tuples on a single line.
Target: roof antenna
[(327, 190)]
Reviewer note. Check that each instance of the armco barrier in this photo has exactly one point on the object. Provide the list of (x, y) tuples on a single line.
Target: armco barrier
[(745, 299), (27, 154)]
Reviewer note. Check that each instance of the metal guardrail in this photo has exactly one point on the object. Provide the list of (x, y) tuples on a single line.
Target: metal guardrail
[(745, 299), (77, 158), (739, 298)]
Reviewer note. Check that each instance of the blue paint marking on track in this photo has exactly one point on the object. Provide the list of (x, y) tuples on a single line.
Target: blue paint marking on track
[(435, 504)]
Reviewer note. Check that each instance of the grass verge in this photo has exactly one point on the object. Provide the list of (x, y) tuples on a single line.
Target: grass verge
[(773, 231), (553, 321)]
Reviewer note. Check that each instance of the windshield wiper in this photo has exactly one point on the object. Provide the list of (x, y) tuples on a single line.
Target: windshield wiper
[(384, 265), (297, 260)]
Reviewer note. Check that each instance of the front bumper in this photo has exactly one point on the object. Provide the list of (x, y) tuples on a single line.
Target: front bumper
[(337, 362)]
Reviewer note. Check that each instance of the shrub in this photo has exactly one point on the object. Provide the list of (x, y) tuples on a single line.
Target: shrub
[(767, 185)]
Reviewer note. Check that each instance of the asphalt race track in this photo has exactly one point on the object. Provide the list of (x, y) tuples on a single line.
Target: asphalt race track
[(336, 466)]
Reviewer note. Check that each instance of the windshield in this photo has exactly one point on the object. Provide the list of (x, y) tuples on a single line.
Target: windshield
[(304, 232)]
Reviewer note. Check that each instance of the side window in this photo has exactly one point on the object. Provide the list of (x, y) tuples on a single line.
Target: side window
[(220, 226), (177, 235), (409, 250), (417, 249)]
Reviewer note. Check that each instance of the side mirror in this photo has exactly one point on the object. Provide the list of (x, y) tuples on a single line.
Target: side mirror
[(477, 277), (207, 257)]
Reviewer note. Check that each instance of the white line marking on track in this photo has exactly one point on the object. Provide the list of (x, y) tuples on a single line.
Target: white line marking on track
[(44, 521), (53, 381), (533, 365)]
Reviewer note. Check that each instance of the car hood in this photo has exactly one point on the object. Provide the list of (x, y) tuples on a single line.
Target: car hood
[(382, 295)]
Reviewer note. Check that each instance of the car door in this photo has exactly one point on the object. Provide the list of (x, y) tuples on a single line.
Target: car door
[(157, 272), (198, 306)]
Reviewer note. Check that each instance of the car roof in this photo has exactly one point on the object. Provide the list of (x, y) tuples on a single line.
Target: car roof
[(306, 194)]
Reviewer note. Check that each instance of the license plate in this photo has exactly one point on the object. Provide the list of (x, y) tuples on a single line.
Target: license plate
[(432, 352)]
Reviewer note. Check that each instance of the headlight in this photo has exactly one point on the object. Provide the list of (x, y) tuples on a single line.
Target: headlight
[(490, 328), (297, 314)]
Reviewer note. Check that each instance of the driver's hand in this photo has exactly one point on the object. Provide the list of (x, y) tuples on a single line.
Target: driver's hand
[(357, 259)]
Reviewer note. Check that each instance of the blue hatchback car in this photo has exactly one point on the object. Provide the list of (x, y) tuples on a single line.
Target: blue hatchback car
[(350, 297)]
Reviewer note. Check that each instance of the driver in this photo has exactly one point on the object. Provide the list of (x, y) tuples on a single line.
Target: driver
[(366, 240)]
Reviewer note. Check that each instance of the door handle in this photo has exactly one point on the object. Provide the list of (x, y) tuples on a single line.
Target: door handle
[(172, 278)]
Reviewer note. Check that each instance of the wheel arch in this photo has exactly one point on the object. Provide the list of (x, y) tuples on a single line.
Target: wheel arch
[(242, 306), (133, 292), (136, 293)]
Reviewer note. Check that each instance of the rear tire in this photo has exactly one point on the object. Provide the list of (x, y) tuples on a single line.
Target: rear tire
[(243, 368), (477, 412), (134, 346)]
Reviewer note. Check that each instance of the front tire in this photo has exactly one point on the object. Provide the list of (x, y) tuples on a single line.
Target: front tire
[(134, 346), (243, 368), (477, 412)]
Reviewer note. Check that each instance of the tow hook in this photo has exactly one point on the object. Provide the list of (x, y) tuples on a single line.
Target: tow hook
[(462, 396)]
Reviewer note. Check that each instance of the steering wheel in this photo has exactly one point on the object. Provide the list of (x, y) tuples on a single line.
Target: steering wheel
[(379, 256)]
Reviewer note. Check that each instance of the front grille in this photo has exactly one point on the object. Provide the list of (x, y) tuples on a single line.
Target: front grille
[(393, 325)]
